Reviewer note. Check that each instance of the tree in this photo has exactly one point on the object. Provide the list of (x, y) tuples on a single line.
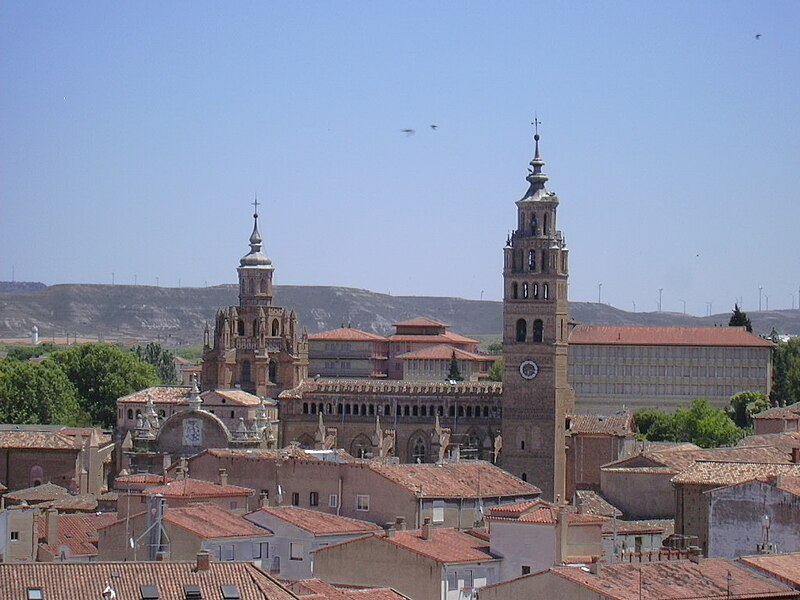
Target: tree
[(161, 358), (744, 405), (739, 319), (495, 348), (39, 393), (699, 424), (102, 373), (786, 373), (454, 374), (496, 370), (28, 352)]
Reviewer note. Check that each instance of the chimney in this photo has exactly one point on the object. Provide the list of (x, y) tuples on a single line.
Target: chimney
[(223, 477), (594, 566), (263, 500), (203, 561), (426, 529), (581, 506), (390, 530), (51, 526), (400, 523), (562, 534), (694, 554), (796, 455)]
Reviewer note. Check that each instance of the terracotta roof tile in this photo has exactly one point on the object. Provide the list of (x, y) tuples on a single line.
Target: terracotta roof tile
[(209, 521), (715, 474), (39, 493), (163, 394), (442, 338), (76, 532), (539, 512), (791, 412), (665, 527), (784, 441), (465, 479), (318, 523), (140, 478), (236, 397), (445, 546), (37, 440), (420, 322), (68, 581), (666, 336), (671, 580), (346, 334), (445, 352), (594, 504), (197, 488), (82, 503), (785, 567), (679, 458), (315, 589), (260, 453), (617, 425)]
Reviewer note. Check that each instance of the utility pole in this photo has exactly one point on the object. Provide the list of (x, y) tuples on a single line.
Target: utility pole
[(760, 288), (766, 296), (599, 292), (660, 291), (112, 277), (634, 305), (684, 306)]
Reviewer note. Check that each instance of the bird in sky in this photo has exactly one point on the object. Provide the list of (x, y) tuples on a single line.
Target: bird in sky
[(758, 36), (434, 127), (408, 132)]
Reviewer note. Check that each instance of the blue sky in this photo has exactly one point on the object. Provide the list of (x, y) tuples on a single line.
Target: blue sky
[(133, 137)]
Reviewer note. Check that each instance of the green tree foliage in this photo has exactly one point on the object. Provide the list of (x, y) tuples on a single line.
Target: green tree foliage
[(744, 405), (786, 371), (700, 424), (739, 319), (496, 370), (38, 393), (161, 358), (28, 352), (495, 348), (454, 374), (102, 373)]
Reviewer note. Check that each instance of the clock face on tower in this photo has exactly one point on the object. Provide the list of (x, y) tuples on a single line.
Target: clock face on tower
[(528, 369)]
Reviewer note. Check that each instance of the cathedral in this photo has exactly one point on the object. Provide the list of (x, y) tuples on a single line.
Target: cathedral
[(256, 346)]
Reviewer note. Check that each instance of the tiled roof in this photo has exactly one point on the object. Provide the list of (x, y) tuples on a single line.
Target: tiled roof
[(420, 322), (77, 532), (671, 580), (260, 453), (784, 441), (447, 337), (37, 440), (197, 488), (789, 483), (140, 478), (373, 386), (783, 566), (714, 473), (346, 334), (464, 479), (318, 523), (594, 504), (665, 527), (539, 512), (445, 546), (617, 425), (68, 581), (445, 352), (666, 336), (315, 589), (82, 503), (237, 397), (161, 394), (39, 493), (679, 458), (791, 412), (209, 521), (100, 437)]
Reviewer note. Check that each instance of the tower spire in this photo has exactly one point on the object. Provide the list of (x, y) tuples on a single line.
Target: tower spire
[(255, 257), (535, 176)]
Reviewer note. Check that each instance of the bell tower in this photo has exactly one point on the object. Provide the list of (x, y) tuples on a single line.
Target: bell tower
[(536, 394)]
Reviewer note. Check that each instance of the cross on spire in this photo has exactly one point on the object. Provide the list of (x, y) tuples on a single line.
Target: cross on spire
[(255, 205), (536, 122)]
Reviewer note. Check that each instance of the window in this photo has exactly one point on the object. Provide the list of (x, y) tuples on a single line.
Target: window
[(525, 290), (538, 331), (130, 414), (333, 501), (546, 291), (295, 551), (14, 536), (526, 569), (227, 552), (313, 499), (35, 594), (362, 502), (468, 580), (260, 550), (522, 330), (295, 498), (452, 581), (438, 511), (234, 505), (514, 291)]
